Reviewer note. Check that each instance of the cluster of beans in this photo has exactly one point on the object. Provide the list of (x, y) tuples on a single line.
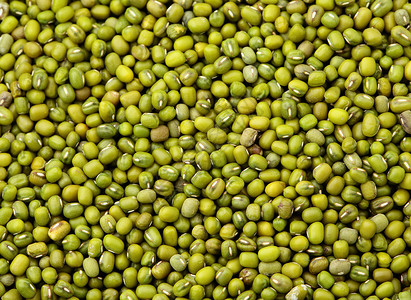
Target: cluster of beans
[(210, 149)]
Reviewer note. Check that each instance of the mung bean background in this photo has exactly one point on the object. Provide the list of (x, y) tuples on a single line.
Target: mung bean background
[(210, 149)]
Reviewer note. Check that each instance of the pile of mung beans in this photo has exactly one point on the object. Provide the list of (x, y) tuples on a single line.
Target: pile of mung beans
[(205, 149)]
